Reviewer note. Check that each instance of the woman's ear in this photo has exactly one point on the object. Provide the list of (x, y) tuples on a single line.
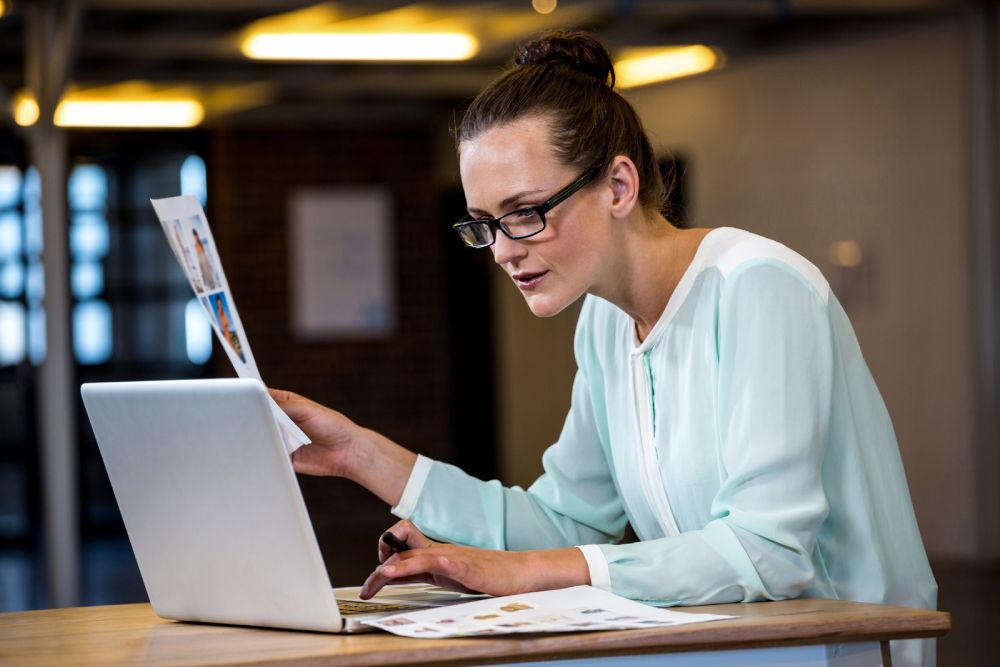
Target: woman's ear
[(624, 179)]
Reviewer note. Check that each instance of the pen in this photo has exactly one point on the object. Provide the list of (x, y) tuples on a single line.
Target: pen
[(394, 542)]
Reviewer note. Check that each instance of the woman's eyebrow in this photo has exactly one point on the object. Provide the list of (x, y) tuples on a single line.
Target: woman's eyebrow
[(513, 198), (504, 204)]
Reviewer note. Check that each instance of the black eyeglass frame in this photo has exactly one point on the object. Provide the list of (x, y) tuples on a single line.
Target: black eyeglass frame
[(541, 209)]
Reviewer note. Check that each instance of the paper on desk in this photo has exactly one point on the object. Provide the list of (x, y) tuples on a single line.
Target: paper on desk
[(190, 238), (577, 609)]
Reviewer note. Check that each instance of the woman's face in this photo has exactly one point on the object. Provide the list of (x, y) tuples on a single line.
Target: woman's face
[(512, 166)]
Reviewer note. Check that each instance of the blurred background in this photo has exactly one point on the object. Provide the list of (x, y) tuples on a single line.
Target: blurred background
[(862, 133)]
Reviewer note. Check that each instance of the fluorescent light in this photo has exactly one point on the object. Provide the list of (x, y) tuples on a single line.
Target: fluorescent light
[(640, 67), (116, 113), (130, 113), (360, 46)]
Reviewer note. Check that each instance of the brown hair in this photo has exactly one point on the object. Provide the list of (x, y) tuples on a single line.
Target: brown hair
[(569, 78)]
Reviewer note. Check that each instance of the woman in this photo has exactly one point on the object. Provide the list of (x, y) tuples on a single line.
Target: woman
[(721, 407), (204, 263), (228, 332)]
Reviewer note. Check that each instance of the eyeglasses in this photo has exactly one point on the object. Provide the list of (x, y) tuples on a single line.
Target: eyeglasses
[(522, 223)]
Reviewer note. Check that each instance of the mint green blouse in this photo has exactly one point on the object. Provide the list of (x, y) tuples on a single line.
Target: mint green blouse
[(744, 440)]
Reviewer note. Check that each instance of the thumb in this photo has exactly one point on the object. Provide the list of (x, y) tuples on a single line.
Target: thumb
[(297, 407), (281, 395)]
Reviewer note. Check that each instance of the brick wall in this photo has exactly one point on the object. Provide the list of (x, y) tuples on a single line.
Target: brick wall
[(400, 386)]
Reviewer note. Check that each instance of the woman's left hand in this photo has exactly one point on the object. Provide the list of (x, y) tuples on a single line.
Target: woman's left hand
[(472, 570)]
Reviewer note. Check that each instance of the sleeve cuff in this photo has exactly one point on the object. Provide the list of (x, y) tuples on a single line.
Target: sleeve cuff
[(600, 577), (414, 485)]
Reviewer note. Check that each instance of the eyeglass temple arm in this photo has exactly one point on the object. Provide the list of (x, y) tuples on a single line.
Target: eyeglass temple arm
[(573, 187)]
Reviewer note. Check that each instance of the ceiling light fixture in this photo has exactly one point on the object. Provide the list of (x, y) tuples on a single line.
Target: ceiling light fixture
[(639, 67), (375, 46), (115, 113)]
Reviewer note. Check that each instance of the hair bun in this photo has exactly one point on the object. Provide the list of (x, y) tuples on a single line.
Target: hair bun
[(579, 50)]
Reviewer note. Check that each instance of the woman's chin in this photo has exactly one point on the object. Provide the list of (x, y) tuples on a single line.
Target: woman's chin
[(544, 305)]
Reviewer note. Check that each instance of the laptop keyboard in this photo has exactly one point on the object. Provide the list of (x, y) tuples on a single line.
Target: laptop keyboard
[(353, 608)]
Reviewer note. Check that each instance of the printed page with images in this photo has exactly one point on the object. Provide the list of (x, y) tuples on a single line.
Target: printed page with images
[(576, 609), (186, 227)]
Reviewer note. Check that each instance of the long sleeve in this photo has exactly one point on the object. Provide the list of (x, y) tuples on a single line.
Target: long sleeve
[(574, 502), (772, 407), (744, 440)]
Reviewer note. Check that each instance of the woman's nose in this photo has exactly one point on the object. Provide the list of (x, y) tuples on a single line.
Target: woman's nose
[(506, 250)]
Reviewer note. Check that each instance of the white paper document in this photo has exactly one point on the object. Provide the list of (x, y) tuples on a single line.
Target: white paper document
[(576, 609), (190, 238)]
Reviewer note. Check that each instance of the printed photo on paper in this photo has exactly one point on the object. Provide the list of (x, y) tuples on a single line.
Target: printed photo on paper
[(576, 609), (227, 328), (190, 237), (206, 258)]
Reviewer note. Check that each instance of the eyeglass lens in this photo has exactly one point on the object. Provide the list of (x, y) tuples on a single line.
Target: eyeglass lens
[(522, 223), (518, 224), (476, 234)]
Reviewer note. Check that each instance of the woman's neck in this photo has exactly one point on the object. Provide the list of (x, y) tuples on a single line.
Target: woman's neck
[(652, 258)]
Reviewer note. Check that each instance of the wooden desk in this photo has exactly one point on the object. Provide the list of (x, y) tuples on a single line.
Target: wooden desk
[(130, 634)]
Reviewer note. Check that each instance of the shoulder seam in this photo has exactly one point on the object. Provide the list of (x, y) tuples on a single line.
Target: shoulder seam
[(759, 250), (821, 290)]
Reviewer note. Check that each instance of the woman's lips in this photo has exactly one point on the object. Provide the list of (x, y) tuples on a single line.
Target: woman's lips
[(529, 281)]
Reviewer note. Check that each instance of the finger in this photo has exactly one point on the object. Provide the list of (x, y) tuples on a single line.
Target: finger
[(408, 533), (370, 590), (298, 464), (437, 569), (419, 579), (373, 584), (280, 395), (306, 463), (385, 549), (390, 542), (414, 563), (390, 559), (299, 409), (389, 572)]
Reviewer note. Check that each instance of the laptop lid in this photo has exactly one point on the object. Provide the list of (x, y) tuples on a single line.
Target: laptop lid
[(211, 503)]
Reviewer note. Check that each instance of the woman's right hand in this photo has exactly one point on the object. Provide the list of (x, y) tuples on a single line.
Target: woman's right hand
[(341, 448), (334, 437)]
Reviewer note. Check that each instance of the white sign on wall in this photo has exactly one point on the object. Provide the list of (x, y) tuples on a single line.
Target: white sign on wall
[(341, 263)]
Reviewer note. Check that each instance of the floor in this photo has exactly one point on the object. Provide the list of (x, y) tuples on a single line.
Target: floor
[(110, 575)]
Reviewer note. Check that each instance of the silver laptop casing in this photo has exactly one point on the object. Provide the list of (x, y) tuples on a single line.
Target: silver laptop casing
[(211, 503)]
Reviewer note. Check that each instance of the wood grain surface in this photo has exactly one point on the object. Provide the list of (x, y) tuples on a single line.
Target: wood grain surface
[(131, 634)]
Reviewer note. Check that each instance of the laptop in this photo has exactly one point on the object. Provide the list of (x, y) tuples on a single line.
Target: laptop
[(214, 512)]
